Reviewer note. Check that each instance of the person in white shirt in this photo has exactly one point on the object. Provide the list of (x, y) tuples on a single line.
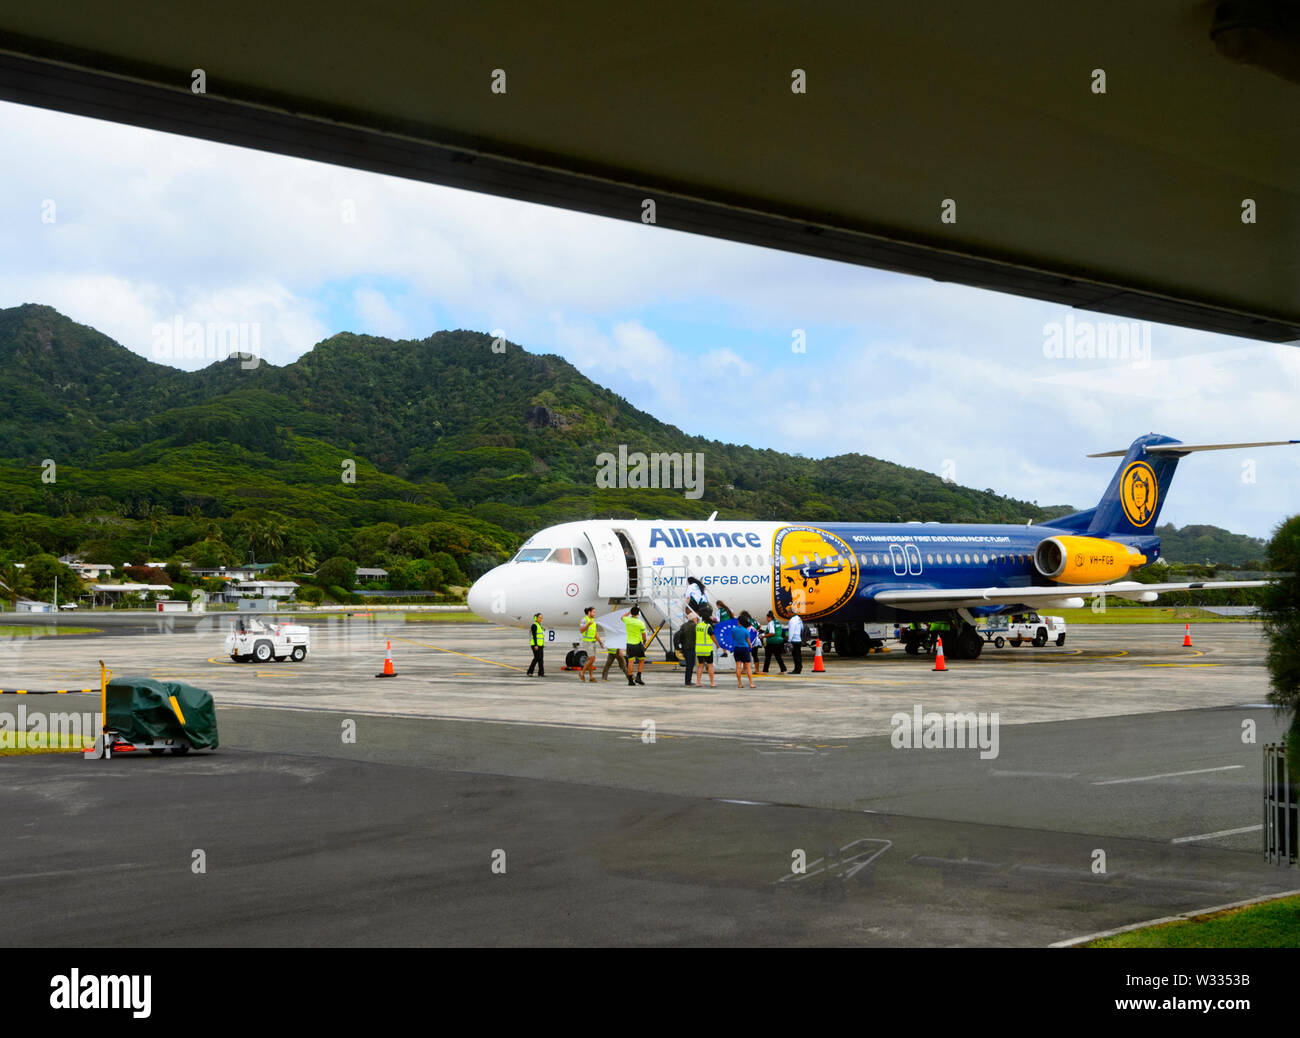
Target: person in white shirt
[(796, 642)]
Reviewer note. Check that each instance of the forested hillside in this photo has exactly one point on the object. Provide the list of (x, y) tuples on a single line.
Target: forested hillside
[(458, 450)]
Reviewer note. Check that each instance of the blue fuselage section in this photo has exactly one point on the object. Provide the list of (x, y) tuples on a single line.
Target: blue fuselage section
[(895, 556)]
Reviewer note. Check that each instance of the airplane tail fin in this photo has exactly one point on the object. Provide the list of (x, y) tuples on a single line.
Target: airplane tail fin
[(1136, 494), (1137, 491)]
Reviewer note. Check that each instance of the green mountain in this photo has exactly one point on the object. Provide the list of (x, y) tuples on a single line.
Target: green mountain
[(458, 451), (1211, 545)]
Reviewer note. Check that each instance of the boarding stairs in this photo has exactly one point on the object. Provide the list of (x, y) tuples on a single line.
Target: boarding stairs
[(661, 594)]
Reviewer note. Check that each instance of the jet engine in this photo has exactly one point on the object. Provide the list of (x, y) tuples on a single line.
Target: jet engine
[(1085, 560)]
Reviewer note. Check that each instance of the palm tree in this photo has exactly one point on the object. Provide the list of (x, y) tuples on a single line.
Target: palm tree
[(154, 517), (267, 533), (303, 562), (274, 531), (17, 582)]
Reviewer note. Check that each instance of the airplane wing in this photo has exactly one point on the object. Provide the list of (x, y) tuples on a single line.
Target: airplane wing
[(1058, 595)]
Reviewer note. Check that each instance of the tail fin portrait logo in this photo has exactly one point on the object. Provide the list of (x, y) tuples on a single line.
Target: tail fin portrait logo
[(1138, 492)]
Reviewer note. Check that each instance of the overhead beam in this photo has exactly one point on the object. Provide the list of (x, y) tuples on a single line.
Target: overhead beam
[(46, 75)]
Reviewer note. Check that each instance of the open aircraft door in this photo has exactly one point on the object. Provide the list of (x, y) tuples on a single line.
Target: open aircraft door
[(611, 566)]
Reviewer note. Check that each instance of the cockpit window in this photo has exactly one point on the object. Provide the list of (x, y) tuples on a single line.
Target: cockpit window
[(564, 556)]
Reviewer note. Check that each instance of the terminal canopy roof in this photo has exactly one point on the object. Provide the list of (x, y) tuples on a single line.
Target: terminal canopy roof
[(1128, 201)]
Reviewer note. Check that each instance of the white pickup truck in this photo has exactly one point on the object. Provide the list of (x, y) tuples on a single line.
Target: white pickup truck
[(250, 640), (1039, 630)]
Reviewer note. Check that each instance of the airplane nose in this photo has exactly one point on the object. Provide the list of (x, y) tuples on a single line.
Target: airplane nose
[(479, 598)]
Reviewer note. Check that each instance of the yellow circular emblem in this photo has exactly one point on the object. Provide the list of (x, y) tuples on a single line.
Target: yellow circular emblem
[(1138, 493)]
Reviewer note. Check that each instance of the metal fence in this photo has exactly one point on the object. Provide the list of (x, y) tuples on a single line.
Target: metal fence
[(1280, 803)]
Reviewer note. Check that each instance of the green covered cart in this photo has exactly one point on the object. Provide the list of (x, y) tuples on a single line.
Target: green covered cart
[(145, 714)]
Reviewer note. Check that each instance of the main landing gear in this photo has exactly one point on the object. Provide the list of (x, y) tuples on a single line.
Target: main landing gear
[(960, 640)]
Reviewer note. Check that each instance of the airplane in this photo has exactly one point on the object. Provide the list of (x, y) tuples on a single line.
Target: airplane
[(863, 573), (815, 572)]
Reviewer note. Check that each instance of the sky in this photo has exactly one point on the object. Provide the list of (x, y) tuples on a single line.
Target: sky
[(127, 230)]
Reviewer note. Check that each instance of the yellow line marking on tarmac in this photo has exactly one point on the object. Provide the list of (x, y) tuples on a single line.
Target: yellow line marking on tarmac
[(1180, 664), (466, 655)]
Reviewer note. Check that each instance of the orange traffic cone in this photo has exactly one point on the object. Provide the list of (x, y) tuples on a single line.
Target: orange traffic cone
[(818, 666), (938, 657), (1187, 636), (388, 672)]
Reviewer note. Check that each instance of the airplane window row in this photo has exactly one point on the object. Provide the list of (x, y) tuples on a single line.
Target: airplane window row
[(931, 559), (577, 557)]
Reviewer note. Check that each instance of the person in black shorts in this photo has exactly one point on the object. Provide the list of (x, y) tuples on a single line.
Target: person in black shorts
[(636, 637), (740, 649), (704, 640)]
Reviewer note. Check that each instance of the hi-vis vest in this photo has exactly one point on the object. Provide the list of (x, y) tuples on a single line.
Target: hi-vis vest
[(539, 634), (589, 632), (703, 643), (634, 627)]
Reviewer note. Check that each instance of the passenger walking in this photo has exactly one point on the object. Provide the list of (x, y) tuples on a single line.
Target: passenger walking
[(740, 649), (796, 642), (773, 644), (636, 635), (704, 643), (613, 654), (755, 639), (698, 597), (537, 634), (590, 631)]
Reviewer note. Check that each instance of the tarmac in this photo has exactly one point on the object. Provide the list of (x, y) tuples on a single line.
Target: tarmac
[(465, 803)]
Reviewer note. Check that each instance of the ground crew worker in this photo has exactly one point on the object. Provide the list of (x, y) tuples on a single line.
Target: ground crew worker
[(688, 644), (613, 654), (636, 635), (704, 643), (538, 635), (590, 631), (773, 643)]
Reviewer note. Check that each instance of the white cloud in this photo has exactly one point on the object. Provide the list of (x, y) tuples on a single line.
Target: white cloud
[(150, 226), (378, 315)]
